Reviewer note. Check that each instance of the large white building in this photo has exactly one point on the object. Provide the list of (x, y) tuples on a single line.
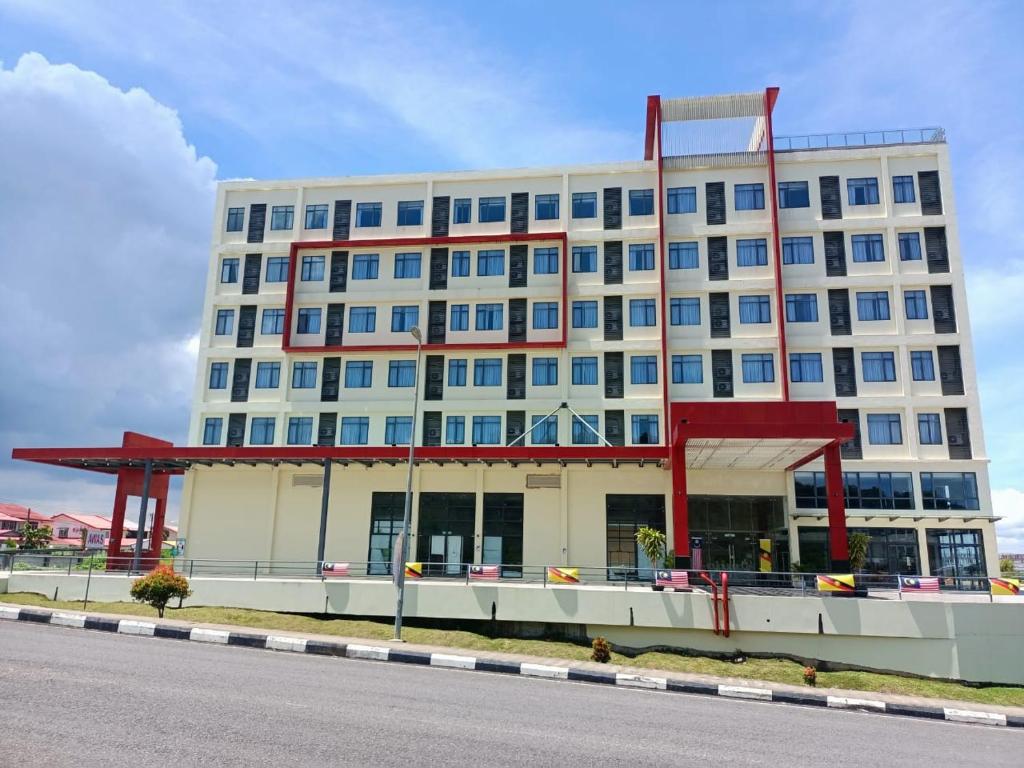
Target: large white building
[(736, 340)]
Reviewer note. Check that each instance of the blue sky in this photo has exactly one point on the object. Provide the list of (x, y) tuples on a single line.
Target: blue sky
[(129, 112)]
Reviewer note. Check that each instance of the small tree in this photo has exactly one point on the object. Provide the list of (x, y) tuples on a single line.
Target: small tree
[(652, 542), (858, 547), (36, 538), (1007, 566), (158, 586)]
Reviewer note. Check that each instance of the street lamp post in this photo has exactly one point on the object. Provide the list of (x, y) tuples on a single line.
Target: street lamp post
[(407, 520)]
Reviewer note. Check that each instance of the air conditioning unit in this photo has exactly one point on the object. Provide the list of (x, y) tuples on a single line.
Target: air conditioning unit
[(722, 387), (956, 439), (722, 371)]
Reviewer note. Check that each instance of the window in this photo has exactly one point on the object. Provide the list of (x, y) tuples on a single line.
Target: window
[(368, 214), (956, 552), (273, 322), (683, 256), (455, 430), (489, 317), (282, 216), (312, 268), (862, 191), (801, 308), (645, 429), (218, 376), (910, 246), (355, 430), (545, 315), (316, 218), (407, 265), (397, 430), (362, 320), (584, 314), (641, 312), (584, 205), (862, 490), (486, 430), (922, 365), (225, 322), (584, 430), (212, 429), (277, 269), (268, 375), (545, 207), (262, 431), (404, 318), (300, 429), (366, 266), (229, 271), (643, 369), (878, 366), (304, 375), (545, 371), (584, 258), (684, 311), (868, 248), (798, 250), (749, 197), (752, 253), (687, 369), (545, 261), (545, 430), (584, 370), (916, 304), (641, 202), (460, 317), (462, 210), (872, 305), (490, 262), (457, 373), (410, 213), (755, 309), (460, 263), (359, 374), (487, 372), (309, 320), (794, 194), (682, 200), (903, 189), (641, 257), (805, 367), (929, 430), (758, 368), (236, 217), (949, 490), (491, 209), (401, 373), (884, 429)]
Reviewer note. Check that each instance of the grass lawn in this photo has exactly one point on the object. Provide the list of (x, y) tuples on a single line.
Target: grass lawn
[(772, 670)]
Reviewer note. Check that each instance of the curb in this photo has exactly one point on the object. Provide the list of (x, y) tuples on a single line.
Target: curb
[(288, 644)]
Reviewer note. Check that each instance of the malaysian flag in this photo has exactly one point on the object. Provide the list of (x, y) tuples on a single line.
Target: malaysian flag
[(483, 573), (336, 569), (675, 579), (697, 553), (919, 584)]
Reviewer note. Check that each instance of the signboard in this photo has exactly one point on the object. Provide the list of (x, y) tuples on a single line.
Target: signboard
[(95, 540), (179, 548)]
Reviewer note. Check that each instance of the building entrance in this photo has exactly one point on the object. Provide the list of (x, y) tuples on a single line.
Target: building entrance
[(445, 539), (732, 527), (625, 514)]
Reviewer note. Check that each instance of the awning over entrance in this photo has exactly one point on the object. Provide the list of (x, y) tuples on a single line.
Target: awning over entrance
[(767, 454)]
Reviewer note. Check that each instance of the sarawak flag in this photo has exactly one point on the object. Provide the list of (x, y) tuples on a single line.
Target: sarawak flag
[(677, 579), (1004, 586), (765, 555), (336, 569), (919, 583), (483, 573), (559, 575), (414, 570), (835, 582)]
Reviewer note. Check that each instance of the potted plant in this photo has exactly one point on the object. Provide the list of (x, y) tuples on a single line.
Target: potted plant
[(858, 548), (652, 542)]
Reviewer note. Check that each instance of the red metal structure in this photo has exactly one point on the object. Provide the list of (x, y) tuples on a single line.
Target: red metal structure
[(130, 482)]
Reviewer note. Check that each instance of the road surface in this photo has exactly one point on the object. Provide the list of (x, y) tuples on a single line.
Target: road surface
[(77, 698)]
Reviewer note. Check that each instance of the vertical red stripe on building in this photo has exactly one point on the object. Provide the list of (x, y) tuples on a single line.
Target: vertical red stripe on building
[(771, 95)]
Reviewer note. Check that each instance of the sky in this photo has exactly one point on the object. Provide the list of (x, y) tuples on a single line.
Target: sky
[(118, 118)]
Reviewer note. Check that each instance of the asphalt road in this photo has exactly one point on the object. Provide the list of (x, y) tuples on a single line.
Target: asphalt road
[(70, 697)]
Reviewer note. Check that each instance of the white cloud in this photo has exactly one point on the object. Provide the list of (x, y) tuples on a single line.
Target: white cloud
[(1008, 503)]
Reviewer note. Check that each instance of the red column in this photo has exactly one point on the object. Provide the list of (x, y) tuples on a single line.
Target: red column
[(837, 543), (680, 507), (117, 524)]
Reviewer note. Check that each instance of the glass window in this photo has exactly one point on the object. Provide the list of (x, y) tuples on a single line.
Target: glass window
[(460, 263), (910, 246), (545, 261), (956, 552), (457, 373), (929, 430), (545, 430), (584, 258), (641, 313), (455, 430), (749, 197), (401, 373), (546, 207), (641, 257), (462, 210), (262, 431), (282, 216), (225, 322), (752, 253), (794, 194), (922, 366), (404, 319), (584, 429), (316, 218), (410, 213), (309, 320), (903, 189), (878, 366), (682, 200), (645, 429), (277, 269), (486, 430), (545, 371), (755, 309), (949, 490), (229, 271), (362, 320), (872, 305), (643, 369), (805, 367), (368, 214), (407, 265), (758, 368), (300, 429), (359, 374), (862, 490), (798, 250), (683, 256), (916, 305), (491, 209), (218, 375), (584, 205), (273, 322), (584, 314), (397, 430), (862, 191), (212, 429), (684, 311), (641, 202), (884, 429), (268, 375), (366, 266), (487, 372), (687, 369), (460, 317), (355, 430), (236, 216), (312, 268), (490, 262), (545, 315), (304, 375), (801, 308), (584, 370), (490, 317), (868, 248)]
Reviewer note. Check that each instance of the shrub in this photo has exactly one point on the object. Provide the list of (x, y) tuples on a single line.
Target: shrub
[(810, 675), (158, 586), (858, 548), (602, 652), (652, 542)]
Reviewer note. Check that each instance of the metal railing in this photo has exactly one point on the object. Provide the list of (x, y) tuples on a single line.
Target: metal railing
[(851, 139)]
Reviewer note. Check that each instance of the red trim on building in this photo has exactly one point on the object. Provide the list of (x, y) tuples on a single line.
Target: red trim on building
[(653, 125), (771, 95)]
